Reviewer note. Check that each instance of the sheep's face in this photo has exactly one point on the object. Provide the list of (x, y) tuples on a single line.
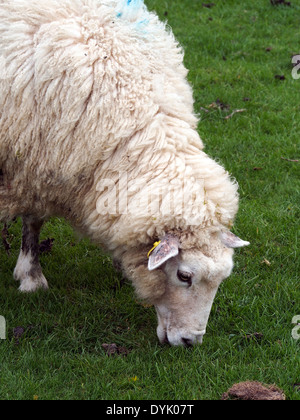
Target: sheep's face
[(192, 280)]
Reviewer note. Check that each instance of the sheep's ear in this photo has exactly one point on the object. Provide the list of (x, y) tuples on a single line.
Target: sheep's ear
[(231, 240), (167, 248)]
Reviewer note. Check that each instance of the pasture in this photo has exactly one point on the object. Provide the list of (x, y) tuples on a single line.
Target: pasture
[(88, 337)]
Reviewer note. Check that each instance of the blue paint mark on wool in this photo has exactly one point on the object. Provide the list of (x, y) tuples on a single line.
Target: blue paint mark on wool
[(134, 12), (130, 9), (135, 2)]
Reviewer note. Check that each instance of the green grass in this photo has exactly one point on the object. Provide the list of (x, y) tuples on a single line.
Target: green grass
[(60, 354)]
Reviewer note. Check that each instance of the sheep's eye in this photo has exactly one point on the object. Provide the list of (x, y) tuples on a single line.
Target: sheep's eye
[(184, 276)]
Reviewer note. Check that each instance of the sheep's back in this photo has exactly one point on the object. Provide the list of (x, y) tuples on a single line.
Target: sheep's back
[(76, 80)]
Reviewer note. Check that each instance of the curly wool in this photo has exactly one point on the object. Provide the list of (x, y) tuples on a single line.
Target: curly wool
[(96, 109)]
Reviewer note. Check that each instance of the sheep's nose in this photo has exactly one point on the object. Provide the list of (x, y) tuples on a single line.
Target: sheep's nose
[(196, 338), (187, 342)]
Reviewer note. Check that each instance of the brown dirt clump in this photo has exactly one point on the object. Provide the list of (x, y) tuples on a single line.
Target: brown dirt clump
[(253, 390)]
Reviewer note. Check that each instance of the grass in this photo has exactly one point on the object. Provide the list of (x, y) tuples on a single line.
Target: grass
[(234, 50)]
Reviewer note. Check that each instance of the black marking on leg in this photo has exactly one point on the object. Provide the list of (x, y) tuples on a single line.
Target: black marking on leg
[(28, 270), (30, 244), (30, 238)]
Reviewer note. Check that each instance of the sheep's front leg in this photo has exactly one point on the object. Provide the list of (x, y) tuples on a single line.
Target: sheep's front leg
[(28, 270)]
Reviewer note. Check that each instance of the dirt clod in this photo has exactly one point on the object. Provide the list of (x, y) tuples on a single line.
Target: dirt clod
[(279, 77), (253, 390), (46, 246), (277, 2), (113, 349), (208, 5)]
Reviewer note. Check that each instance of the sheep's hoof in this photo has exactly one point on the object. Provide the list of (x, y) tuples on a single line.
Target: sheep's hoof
[(30, 284), (29, 273), (30, 280)]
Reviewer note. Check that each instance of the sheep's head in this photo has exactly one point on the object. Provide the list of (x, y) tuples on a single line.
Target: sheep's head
[(192, 280)]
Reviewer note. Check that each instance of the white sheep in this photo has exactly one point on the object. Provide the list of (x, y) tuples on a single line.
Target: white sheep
[(97, 126)]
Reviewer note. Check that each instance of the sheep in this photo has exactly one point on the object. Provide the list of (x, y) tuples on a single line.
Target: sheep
[(97, 126)]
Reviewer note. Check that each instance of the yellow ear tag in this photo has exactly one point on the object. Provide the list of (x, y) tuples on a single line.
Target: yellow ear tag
[(154, 246)]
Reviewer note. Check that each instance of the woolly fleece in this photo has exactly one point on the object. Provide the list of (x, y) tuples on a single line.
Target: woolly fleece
[(96, 109)]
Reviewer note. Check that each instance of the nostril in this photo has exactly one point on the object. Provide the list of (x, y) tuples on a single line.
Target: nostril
[(166, 340), (187, 342)]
